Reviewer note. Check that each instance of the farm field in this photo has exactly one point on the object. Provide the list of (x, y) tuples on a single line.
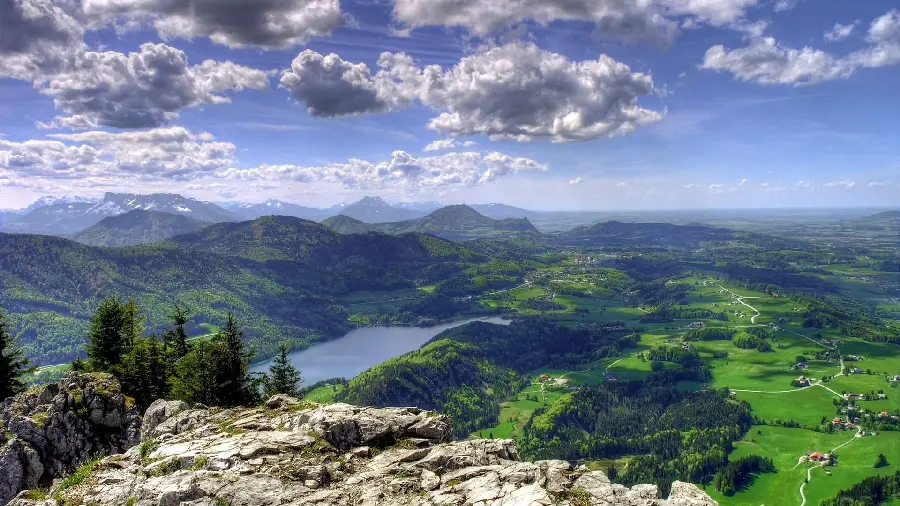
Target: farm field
[(784, 446)]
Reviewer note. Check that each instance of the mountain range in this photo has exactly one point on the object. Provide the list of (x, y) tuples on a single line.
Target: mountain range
[(137, 227), (455, 223), (280, 275)]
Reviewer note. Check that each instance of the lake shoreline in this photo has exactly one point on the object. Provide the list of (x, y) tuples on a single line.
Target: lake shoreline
[(364, 347)]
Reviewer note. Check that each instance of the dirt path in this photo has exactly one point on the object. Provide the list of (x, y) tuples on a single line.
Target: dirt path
[(809, 471)]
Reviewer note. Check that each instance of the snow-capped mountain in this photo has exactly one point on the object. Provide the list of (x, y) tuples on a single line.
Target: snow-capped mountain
[(51, 201), (67, 216), (274, 207)]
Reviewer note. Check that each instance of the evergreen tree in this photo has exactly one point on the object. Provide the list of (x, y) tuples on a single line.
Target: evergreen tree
[(144, 372), (195, 375), (283, 378), (13, 365), (880, 461), (176, 340), (113, 330), (235, 385)]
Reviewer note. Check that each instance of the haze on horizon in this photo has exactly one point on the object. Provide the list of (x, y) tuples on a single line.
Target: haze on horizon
[(592, 105)]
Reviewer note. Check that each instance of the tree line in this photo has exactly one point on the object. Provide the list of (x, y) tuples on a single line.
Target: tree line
[(213, 370)]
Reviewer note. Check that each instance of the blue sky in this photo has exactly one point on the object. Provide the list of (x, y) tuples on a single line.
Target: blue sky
[(623, 105)]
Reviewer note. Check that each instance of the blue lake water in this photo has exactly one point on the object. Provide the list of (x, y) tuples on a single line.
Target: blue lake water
[(360, 349)]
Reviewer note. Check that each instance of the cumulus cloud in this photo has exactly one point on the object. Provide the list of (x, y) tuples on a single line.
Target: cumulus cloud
[(95, 159), (765, 61), (803, 184), (330, 86), (576, 181), (840, 32), (403, 170), (173, 152), (142, 89), (515, 91), (444, 144), (646, 21), (268, 24), (744, 182), (36, 37)]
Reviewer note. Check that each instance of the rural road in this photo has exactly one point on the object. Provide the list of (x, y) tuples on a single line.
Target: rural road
[(740, 298), (809, 470)]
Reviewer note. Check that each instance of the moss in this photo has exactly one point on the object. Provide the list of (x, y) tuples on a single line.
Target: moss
[(37, 495), (131, 501), (218, 501), (75, 479), (171, 466), (454, 482), (146, 448), (130, 402), (579, 497), (199, 463), (40, 418)]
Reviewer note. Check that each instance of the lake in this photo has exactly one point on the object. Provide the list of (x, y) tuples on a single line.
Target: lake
[(360, 349)]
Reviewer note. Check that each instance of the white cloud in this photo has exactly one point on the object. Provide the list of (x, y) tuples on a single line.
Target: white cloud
[(844, 183), (331, 87), (744, 182), (36, 37), (142, 89), (403, 170), (649, 21), (803, 184), (765, 61), (785, 5), (840, 32), (444, 144), (621, 184), (576, 181), (268, 24), (101, 159), (515, 91), (692, 186)]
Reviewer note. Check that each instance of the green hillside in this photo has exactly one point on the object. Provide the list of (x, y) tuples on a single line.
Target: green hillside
[(455, 223), (282, 276), (137, 227)]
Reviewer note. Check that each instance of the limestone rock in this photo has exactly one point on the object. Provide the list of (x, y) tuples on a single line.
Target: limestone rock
[(50, 430), (293, 453), (158, 412)]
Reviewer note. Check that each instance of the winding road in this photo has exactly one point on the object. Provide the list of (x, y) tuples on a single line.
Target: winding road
[(740, 298)]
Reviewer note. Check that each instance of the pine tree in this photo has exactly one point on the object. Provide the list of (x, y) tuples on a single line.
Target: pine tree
[(235, 385), (144, 372), (176, 340), (195, 375), (880, 461), (13, 365), (283, 378), (106, 345)]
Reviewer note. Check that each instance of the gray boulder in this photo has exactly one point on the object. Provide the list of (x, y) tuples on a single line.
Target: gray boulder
[(50, 430), (295, 453)]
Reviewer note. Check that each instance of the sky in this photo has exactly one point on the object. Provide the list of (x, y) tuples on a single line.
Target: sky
[(543, 104)]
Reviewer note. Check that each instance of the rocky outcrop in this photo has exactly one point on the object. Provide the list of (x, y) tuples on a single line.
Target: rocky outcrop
[(290, 452), (48, 431)]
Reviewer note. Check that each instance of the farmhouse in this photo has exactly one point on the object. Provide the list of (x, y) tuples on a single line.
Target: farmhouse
[(896, 378), (857, 370), (696, 325), (816, 457), (883, 414), (544, 377), (802, 381), (850, 396), (610, 376)]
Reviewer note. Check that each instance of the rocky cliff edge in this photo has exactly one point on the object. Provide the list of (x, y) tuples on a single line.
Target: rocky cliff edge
[(294, 453)]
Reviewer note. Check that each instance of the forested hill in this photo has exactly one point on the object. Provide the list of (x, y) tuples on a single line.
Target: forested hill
[(644, 234), (456, 223), (282, 287), (467, 371), (137, 227)]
